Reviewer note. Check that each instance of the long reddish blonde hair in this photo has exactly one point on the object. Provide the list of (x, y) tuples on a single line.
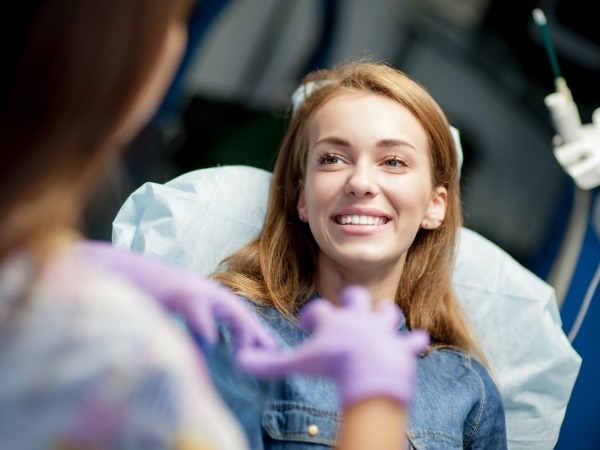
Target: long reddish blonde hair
[(279, 268)]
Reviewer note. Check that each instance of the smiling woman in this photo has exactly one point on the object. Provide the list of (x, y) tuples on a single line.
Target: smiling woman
[(365, 190)]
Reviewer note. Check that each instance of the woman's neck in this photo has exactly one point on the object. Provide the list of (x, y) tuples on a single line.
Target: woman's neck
[(381, 280)]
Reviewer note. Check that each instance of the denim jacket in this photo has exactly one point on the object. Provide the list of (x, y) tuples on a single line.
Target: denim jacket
[(456, 405)]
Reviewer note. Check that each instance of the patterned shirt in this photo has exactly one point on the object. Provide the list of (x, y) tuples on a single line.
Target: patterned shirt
[(88, 361)]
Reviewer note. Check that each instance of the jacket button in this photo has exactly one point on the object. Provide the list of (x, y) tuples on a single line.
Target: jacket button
[(313, 430)]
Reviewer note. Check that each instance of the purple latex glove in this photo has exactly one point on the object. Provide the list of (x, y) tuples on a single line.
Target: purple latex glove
[(199, 299), (356, 345)]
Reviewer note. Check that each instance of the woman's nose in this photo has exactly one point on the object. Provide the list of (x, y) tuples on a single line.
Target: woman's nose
[(361, 183)]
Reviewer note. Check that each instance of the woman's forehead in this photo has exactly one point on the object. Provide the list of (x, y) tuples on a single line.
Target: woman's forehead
[(366, 115)]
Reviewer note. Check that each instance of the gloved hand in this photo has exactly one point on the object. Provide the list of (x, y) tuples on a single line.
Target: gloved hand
[(357, 346), (200, 300)]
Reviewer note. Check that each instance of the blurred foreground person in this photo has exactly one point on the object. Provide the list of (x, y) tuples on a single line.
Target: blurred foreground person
[(90, 357), (87, 359)]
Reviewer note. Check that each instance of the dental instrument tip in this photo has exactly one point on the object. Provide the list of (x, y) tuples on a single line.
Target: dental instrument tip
[(539, 17)]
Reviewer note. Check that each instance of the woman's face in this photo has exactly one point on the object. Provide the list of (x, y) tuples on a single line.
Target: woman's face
[(368, 182)]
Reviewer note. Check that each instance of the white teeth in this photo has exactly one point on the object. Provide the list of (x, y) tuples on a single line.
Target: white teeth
[(361, 220)]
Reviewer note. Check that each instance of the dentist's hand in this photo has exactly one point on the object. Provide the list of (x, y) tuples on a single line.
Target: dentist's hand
[(199, 299), (356, 345)]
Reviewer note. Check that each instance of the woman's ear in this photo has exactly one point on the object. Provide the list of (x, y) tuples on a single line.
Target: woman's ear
[(301, 206), (437, 209)]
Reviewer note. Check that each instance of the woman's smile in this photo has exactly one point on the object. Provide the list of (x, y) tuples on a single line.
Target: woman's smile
[(361, 220)]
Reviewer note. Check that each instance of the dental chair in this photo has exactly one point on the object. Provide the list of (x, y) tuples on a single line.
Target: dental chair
[(198, 218)]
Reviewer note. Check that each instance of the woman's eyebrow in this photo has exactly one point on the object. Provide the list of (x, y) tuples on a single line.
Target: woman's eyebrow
[(333, 140), (383, 143), (388, 143)]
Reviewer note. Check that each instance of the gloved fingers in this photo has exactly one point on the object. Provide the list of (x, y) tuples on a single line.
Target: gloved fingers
[(268, 365), (417, 341), (199, 299), (246, 328), (313, 314), (155, 277), (90, 245), (203, 323), (213, 290), (357, 298), (389, 315), (275, 363), (251, 334), (103, 253), (202, 310), (117, 258)]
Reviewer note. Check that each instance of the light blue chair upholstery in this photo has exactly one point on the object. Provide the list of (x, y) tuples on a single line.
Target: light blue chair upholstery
[(196, 219)]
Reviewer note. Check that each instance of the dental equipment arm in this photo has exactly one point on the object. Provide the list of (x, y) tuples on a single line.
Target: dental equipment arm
[(577, 149), (576, 146)]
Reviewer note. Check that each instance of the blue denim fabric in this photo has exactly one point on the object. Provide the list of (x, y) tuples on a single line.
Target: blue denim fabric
[(456, 404)]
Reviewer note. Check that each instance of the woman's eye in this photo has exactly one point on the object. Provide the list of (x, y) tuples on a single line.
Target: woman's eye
[(329, 159), (395, 161)]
